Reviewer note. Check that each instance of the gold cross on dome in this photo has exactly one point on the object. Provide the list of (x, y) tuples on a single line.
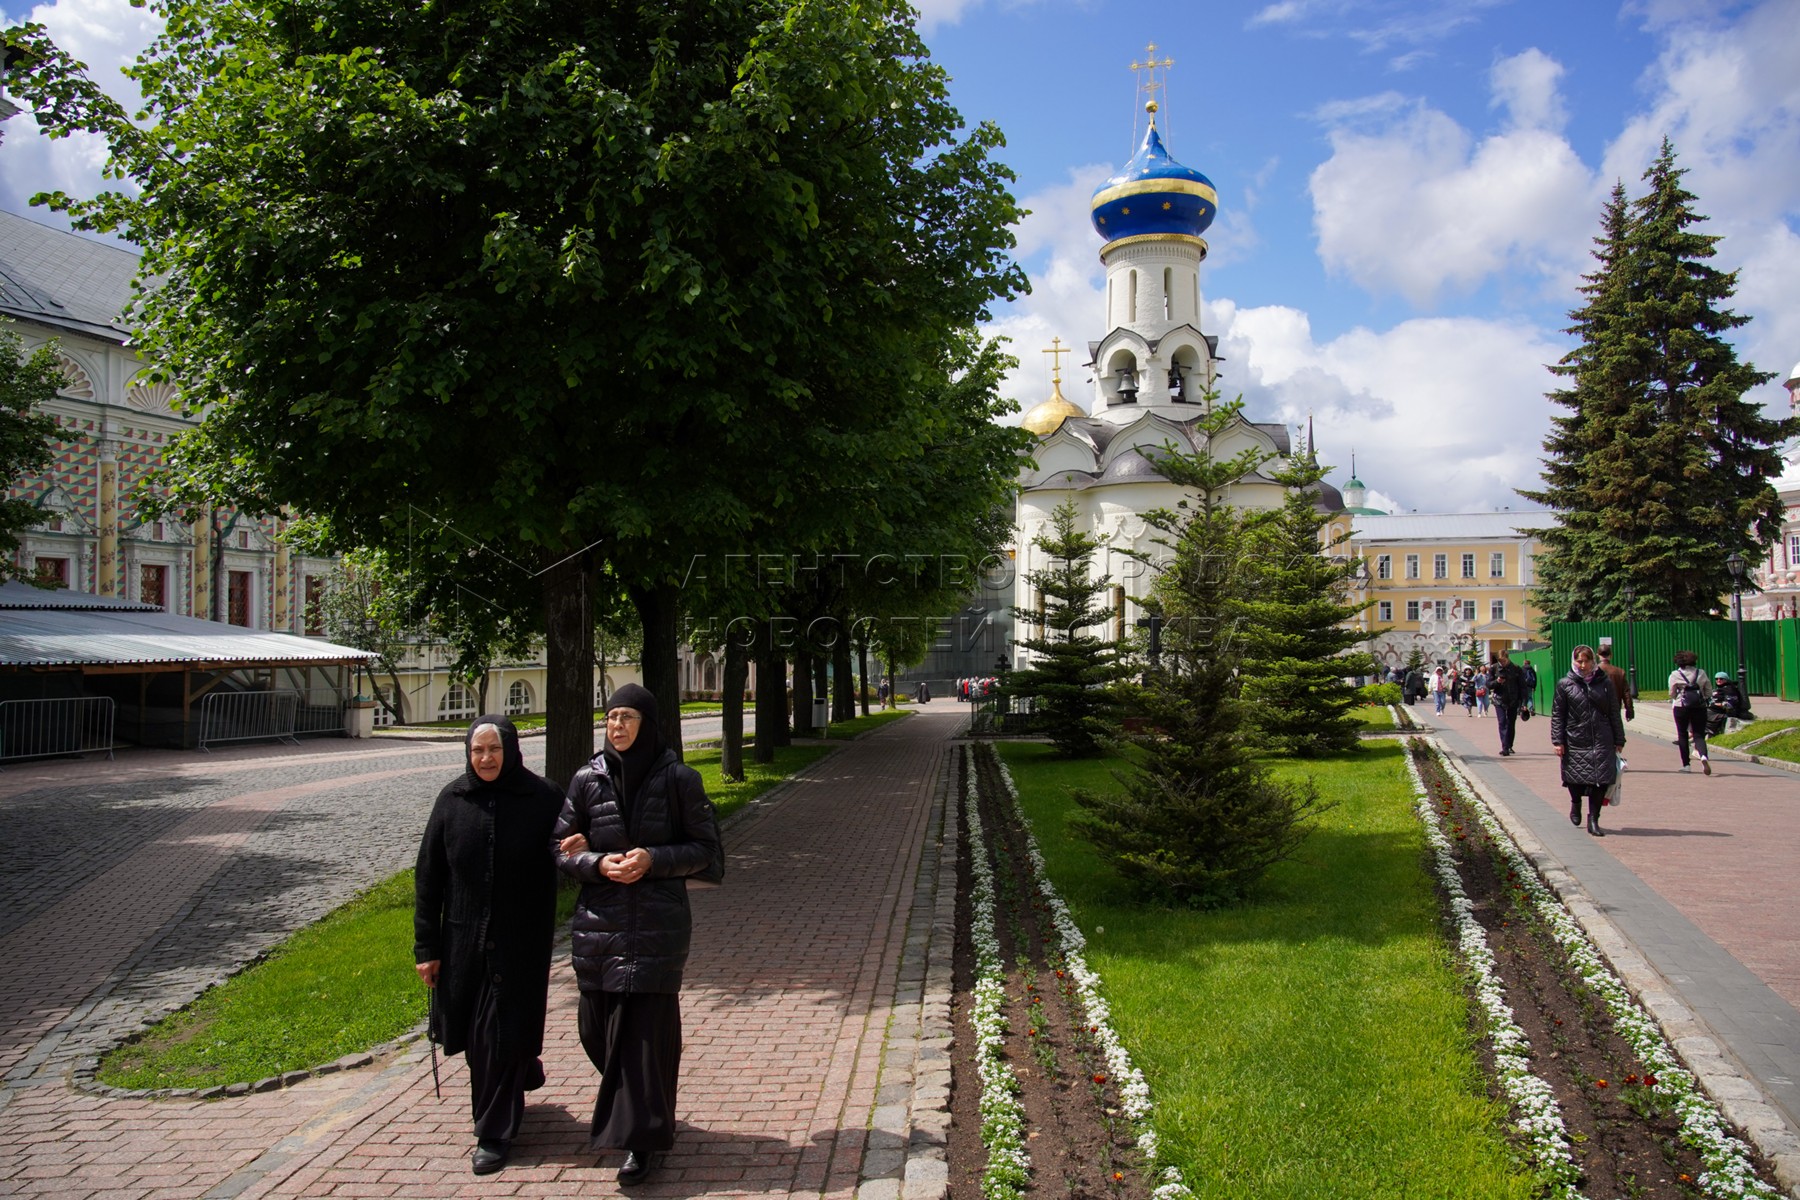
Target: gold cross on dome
[(1147, 82), (1057, 350)]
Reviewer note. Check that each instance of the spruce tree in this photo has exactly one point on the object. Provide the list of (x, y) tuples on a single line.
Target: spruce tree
[(1071, 667), (1298, 645), (1661, 468), (1199, 818)]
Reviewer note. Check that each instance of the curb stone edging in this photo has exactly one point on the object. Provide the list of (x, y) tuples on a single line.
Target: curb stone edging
[(1718, 1074)]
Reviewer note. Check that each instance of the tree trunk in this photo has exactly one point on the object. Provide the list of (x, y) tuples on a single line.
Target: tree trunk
[(803, 691), (659, 610), (731, 744), (862, 672), (481, 690), (771, 700), (843, 688), (569, 668)]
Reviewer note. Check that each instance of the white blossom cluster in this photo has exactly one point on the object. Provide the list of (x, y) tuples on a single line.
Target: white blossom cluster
[(1726, 1170), (1134, 1092), (1538, 1117), (1002, 1117)]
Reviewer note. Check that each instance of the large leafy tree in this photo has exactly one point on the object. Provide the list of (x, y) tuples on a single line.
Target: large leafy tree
[(27, 381), (591, 283), (1199, 819), (1298, 645), (1661, 465), (1071, 667)]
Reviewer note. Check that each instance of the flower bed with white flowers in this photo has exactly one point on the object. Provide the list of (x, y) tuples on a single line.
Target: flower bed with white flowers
[(1650, 1097)]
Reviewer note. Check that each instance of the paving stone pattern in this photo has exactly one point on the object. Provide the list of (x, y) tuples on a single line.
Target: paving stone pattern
[(816, 1011)]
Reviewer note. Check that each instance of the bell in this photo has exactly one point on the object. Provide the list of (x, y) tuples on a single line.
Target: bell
[(1128, 388), (1177, 388)]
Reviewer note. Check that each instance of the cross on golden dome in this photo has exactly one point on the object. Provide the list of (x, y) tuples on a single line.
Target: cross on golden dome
[(1057, 350)]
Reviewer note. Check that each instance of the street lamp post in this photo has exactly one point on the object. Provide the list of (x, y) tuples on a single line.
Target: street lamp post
[(1628, 594), (1735, 564)]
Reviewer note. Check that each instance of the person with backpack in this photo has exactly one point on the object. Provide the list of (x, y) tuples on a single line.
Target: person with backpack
[(1507, 687), (1690, 692)]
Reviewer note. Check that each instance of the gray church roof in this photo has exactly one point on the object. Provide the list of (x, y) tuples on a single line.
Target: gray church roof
[(52, 277)]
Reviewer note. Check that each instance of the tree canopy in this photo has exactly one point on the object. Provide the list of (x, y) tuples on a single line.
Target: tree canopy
[(1660, 468), (616, 283), (27, 381)]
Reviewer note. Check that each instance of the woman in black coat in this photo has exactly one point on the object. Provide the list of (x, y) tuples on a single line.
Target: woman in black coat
[(484, 917), (636, 824), (1588, 735)]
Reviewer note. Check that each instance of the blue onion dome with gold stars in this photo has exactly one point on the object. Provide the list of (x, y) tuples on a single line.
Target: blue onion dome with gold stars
[(1154, 195)]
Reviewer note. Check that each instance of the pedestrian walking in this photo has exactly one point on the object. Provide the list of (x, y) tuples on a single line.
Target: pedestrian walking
[(484, 917), (1507, 689), (1440, 689), (1621, 686), (1483, 691), (1689, 695), (1468, 691), (636, 825), (1587, 734)]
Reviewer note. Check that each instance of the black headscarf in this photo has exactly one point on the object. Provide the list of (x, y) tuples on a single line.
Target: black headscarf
[(631, 767), (514, 779)]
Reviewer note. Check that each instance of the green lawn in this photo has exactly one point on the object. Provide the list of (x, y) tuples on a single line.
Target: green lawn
[(344, 984), (1314, 1043), (856, 727), (1373, 716), (1752, 731)]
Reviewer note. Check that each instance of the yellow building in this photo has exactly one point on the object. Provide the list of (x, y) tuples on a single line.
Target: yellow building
[(1447, 583)]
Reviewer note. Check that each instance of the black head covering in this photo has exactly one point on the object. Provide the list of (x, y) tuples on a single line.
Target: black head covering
[(513, 775), (633, 765)]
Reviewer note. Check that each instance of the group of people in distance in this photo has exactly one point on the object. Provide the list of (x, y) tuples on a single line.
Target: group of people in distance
[(634, 826), (1588, 713)]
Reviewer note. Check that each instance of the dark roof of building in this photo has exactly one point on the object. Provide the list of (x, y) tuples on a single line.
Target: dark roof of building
[(40, 628), (53, 277)]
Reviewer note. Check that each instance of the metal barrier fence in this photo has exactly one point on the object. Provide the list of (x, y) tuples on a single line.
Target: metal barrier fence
[(48, 728), (314, 717), (248, 716)]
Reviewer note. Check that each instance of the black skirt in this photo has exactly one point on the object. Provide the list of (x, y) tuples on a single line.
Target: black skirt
[(635, 1041)]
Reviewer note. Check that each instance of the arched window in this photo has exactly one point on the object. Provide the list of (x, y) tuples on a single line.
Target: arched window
[(709, 675), (458, 704), (518, 698)]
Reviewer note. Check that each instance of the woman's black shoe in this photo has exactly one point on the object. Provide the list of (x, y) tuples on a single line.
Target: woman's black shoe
[(490, 1155), (637, 1167), (1594, 827), (1575, 813)]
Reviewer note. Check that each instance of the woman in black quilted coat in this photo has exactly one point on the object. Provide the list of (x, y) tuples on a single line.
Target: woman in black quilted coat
[(1588, 735), (484, 917), (636, 824)]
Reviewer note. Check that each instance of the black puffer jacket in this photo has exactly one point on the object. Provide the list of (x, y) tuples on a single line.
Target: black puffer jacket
[(634, 937), (1584, 720)]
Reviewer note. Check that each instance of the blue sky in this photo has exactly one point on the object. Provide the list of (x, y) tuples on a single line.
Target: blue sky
[(1407, 190)]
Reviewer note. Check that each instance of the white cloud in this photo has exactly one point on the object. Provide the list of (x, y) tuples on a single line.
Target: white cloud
[(106, 35), (933, 13), (1419, 206), (1525, 86), (1444, 414)]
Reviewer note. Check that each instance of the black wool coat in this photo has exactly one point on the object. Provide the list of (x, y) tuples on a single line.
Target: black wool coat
[(1584, 720), (485, 907), (635, 937)]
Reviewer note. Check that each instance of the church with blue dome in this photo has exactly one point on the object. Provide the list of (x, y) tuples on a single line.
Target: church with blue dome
[(1149, 374)]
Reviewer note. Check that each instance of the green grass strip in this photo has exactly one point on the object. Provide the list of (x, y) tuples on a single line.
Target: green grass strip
[(857, 726), (1373, 716), (1313, 1043), (1753, 731), (343, 984)]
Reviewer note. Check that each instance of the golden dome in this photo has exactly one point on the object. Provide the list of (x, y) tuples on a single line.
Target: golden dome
[(1048, 417)]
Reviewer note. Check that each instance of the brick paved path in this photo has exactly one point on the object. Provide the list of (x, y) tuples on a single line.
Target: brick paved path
[(808, 1013)]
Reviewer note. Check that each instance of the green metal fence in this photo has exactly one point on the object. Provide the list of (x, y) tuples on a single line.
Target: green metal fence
[(1769, 656)]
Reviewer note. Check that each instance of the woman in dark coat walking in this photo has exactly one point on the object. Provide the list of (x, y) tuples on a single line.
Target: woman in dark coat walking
[(1588, 735), (636, 824), (484, 917)]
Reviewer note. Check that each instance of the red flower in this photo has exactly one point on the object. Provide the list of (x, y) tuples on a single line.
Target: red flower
[(1599, 1083), (1118, 1175), (1649, 1081), (1099, 1079), (1631, 1079)]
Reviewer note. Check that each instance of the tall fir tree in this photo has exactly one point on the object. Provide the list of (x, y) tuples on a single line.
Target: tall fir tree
[(1662, 467), (1072, 667), (1198, 819), (1298, 645)]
